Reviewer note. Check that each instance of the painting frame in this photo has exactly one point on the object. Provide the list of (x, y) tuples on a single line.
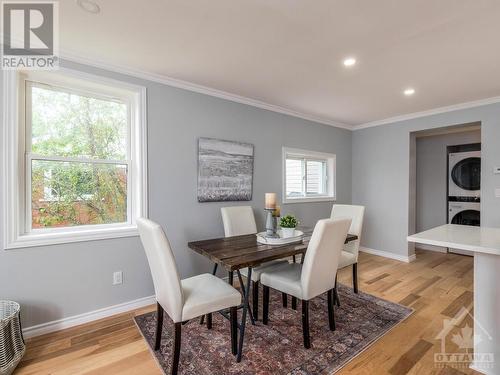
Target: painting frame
[(225, 170)]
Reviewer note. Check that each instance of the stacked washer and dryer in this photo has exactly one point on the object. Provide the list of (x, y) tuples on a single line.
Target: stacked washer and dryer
[(464, 189)]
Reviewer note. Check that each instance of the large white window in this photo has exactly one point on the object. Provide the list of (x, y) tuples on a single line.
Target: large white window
[(80, 165), (308, 176)]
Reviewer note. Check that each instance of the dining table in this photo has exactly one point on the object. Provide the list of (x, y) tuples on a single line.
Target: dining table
[(238, 252)]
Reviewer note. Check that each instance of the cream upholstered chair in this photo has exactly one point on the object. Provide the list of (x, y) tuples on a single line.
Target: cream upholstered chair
[(183, 299), (350, 252), (313, 277), (238, 221)]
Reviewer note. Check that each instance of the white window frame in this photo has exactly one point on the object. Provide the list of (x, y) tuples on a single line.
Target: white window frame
[(17, 232), (331, 177)]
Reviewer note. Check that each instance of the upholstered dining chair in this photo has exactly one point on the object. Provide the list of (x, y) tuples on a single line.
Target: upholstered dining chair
[(349, 255), (313, 277), (238, 221), (183, 299)]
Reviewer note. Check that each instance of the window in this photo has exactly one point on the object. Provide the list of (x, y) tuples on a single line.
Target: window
[(81, 165), (308, 176)]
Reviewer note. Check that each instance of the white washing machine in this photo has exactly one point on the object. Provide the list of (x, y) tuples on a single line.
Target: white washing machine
[(464, 213), (464, 174)]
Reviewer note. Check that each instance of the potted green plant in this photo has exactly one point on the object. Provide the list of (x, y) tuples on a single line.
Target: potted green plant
[(288, 223)]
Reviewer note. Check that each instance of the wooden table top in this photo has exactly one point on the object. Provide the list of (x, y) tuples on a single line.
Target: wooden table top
[(238, 252)]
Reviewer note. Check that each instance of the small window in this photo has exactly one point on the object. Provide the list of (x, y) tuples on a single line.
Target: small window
[(308, 176)]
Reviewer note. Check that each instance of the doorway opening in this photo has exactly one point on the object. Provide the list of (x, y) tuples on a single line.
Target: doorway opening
[(445, 179)]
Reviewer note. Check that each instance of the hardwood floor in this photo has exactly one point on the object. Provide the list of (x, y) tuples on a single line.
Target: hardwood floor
[(436, 285)]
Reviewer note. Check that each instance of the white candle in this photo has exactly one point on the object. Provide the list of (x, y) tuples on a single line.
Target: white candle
[(270, 200)]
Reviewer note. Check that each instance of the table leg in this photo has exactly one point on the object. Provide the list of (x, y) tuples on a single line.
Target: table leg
[(244, 315), (243, 290), (214, 271)]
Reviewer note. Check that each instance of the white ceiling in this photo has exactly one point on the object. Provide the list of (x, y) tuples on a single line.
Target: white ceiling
[(290, 53)]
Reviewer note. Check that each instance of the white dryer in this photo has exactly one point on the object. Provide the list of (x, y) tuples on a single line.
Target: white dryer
[(464, 175)]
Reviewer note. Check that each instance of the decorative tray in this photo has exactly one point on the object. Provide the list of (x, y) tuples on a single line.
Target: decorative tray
[(261, 238)]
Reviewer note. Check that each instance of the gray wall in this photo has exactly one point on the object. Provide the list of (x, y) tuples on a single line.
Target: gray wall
[(381, 173), (432, 176), (53, 282)]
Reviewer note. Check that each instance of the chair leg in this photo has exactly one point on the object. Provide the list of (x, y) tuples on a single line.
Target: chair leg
[(159, 325), (265, 304), (355, 277), (230, 276), (233, 312), (284, 297), (209, 321), (294, 303), (331, 311), (176, 348), (305, 324), (255, 299), (335, 293)]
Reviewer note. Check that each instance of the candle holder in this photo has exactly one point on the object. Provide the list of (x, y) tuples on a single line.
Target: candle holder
[(271, 224)]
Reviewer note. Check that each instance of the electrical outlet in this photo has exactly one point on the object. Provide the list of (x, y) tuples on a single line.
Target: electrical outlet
[(496, 170), (117, 278)]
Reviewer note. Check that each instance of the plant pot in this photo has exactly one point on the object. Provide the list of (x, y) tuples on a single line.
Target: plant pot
[(288, 232)]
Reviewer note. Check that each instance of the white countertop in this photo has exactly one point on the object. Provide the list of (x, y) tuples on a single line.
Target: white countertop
[(462, 237)]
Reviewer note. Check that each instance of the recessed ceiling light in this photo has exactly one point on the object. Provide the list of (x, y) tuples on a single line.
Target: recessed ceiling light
[(89, 6), (350, 61), (409, 91)]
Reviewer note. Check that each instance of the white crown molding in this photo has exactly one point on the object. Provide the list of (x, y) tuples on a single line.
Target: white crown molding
[(387, 254), (71, 321), (430, 112), (173, 82)]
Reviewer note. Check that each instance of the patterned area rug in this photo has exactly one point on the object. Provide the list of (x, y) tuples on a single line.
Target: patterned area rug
[(277, 348)]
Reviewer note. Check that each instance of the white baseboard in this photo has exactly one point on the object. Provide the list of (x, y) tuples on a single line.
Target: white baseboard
[(71, 321), (437, 249), (387, 254)]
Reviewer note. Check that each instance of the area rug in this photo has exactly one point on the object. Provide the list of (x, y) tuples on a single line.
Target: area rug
[(277, 348)]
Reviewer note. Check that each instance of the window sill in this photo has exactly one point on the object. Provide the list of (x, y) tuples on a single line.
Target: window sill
[(70, 236), (308, 200)]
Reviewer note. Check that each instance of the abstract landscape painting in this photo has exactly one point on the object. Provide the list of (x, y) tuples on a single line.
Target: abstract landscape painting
[(225, 170)]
